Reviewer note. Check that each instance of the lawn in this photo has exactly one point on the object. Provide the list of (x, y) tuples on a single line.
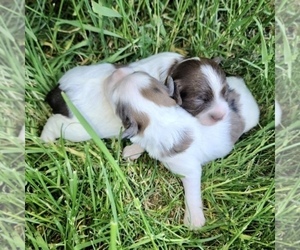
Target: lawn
[(12, 117), (288, 134), (78, 198)]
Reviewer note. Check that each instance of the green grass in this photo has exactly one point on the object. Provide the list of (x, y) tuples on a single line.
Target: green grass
[(288, 134), (78, 198), (12, 116)]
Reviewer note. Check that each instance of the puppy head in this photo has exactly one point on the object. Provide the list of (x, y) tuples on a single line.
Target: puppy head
[(113, 81), (200, 87), (133, 95)]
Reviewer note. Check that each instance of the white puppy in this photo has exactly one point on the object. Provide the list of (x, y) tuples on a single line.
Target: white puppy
[(167, 132)]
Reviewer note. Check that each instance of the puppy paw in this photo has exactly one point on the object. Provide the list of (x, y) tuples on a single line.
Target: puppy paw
[(194, 222), (47, 137), (132, 152)]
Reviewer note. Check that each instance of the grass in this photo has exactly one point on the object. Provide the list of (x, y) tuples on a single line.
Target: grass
[(12, 199), (78, 197), (288, 134)]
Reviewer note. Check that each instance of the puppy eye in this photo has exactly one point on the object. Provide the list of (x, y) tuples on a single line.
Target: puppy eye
[(224, 91), (200, 101), (183, 94)]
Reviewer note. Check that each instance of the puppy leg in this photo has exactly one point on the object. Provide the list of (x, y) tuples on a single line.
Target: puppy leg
[(132, 152), (69, 128), (194, 216)]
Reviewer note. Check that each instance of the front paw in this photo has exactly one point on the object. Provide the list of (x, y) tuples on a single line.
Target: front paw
[(132, 152), (47, 136), (194, 222)]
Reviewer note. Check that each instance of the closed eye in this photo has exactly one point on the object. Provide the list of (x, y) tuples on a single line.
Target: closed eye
[(224, 91), (199, 101)]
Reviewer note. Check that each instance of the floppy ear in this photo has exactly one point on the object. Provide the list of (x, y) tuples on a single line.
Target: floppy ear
[(217, 59), (196, 58), (131, 131), (176, 92), (170, 86), (129, 124)]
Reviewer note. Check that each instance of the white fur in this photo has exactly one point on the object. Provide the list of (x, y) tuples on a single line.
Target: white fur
[(278, 113), (161, 135), (249, 109), (158, 65)]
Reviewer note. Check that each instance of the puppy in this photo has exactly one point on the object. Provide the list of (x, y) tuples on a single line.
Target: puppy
[(202, 89), (167, 132)]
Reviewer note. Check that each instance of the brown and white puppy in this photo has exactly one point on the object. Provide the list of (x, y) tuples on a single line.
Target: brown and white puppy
[(202, 89), (167, 132)]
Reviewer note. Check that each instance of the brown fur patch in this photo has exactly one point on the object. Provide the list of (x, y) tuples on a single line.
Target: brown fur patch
[(192, 88), (133, 121), (233, 99), (142, 121), (182, 145), (158, 94), (237, 126), (236, 121)]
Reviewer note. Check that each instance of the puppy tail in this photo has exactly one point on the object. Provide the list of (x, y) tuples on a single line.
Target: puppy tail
[(56, 102)]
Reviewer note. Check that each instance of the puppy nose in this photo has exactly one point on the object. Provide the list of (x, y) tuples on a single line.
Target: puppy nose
[(217, 116)]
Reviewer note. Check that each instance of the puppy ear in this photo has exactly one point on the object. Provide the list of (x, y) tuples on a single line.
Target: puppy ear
[(176, 93), (131, 131), (120, 73), (217, 59), (170, 86), (129, 124)]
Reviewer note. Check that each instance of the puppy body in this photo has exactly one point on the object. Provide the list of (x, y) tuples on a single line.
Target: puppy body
[(158, 66), (247, 107), (168, 133), (84, 86)]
